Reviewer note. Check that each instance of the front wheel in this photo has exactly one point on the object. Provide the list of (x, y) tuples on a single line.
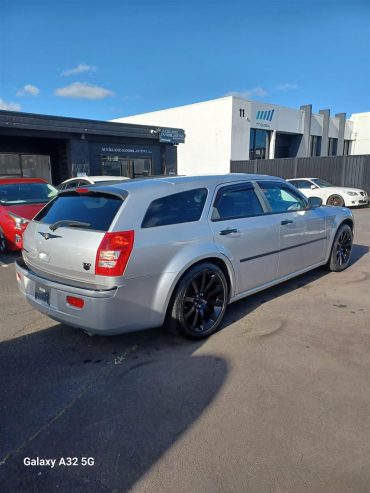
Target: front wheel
[(199, 301), (341, 249), (336, 200), (3, 243)]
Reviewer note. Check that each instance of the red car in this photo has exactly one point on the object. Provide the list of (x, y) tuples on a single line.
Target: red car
[(20, 200)]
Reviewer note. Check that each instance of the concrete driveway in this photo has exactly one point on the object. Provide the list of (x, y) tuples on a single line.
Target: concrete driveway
[(278, 401)]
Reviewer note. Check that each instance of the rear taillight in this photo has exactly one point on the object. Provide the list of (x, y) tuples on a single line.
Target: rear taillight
[(113, 253)]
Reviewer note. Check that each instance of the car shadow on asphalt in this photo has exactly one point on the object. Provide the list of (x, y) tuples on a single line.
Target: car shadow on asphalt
[(8, 258), (124, 401)]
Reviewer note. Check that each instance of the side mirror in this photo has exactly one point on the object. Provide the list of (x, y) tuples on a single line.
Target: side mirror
[(314, 202), (313, 187)]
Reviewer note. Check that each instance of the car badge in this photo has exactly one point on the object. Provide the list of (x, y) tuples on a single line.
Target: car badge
[(47, 236)]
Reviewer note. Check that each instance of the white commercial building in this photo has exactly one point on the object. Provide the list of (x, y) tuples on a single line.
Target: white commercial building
[(235, 129)]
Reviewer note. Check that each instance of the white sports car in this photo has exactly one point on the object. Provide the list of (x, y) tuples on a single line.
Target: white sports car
[(330, 194)]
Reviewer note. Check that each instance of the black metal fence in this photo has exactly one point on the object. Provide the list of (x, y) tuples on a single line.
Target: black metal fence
[(350, 171)]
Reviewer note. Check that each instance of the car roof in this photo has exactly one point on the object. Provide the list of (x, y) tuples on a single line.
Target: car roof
[(171, 182), (6, 180), (157, 187), (291, 179), (108, 178), (97, 178)]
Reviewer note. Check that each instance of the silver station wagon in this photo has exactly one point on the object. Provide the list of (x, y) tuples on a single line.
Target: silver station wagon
[(174, 250)]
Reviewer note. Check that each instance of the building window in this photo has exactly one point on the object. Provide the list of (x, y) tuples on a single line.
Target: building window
[(332, 148), (123, 166), (347, 148), (28, 165), (10, 164), (259, 144), (315, 145)]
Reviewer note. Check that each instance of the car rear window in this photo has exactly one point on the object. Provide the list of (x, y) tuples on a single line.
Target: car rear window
[(183, 207), (26, 193), (98, 209)]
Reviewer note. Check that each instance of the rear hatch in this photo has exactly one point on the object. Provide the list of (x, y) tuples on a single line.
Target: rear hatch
[(62, 241)]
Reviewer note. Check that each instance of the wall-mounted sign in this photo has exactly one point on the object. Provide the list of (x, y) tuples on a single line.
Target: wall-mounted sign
[(263, 118), (265, 115), (171, 136), (131, 150)]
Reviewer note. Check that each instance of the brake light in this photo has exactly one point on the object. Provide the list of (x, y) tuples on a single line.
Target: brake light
[(76, 302), (82, 190), (113, 253)]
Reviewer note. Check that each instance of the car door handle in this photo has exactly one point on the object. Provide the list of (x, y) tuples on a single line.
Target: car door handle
[(286, 221), (228, 231)]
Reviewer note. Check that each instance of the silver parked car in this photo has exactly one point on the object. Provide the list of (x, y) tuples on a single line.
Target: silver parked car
[(119, 258)]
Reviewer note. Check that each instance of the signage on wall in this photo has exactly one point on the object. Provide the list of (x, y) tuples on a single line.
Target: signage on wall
[(120, 150), (171, 136), (263, 117)]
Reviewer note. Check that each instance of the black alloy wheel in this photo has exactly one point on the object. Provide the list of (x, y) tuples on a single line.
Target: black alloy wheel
[(3, 244), (200, 301), (342, 249), (336, 200)]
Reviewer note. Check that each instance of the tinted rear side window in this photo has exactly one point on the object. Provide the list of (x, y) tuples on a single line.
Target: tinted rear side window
[(233, 203), (183, 207), (98, 210)]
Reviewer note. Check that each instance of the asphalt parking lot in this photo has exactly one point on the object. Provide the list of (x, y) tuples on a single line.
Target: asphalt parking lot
[(278, 401)]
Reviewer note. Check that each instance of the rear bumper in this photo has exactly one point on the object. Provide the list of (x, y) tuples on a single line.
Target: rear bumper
[(106, 312)]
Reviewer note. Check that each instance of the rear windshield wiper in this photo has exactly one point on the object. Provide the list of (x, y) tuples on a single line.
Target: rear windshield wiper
[(67, 222)]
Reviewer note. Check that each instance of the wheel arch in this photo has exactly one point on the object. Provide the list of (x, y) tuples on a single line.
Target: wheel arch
[(335, 195), (223, 264), (348, 221)]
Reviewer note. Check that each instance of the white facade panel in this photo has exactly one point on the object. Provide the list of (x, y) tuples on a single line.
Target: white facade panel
[(207, 128), (317, 125), (361, 133), (282, 120), (333, 128)]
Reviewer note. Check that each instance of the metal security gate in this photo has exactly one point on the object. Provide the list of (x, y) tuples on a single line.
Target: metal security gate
[(350, 171)]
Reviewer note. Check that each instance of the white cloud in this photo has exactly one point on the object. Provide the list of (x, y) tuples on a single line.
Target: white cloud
[(258, 92), (29, 90), (286, 87), (80, 69), (84, 91), (9, 106)]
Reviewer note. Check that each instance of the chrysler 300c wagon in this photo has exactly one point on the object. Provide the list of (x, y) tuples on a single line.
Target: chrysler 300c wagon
[(174, 250)]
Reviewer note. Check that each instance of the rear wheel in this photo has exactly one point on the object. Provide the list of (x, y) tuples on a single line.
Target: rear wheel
[(341, 250), (3, 243), (336, 200), (199, 302)]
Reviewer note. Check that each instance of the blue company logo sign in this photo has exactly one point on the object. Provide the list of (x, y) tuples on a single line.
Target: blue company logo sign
[(265, 115)]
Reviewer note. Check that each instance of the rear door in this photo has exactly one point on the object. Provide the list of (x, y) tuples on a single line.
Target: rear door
[(68, 252), (246, 235)]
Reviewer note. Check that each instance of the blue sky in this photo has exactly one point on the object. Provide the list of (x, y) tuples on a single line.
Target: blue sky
[(106, 59)]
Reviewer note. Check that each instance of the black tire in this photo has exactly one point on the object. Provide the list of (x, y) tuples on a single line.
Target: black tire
[(3, 242), (336, 200), (341, 250), (199, 302)]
